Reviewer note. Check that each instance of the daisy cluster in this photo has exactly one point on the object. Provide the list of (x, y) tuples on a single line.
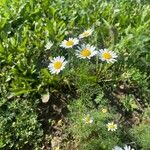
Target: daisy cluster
[(111, 126), (84, 51)]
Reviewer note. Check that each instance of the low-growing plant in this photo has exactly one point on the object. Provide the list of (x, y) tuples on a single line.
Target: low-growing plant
[(141, 132), (129, 102), (91, 126), (19, 126), (141, 135)]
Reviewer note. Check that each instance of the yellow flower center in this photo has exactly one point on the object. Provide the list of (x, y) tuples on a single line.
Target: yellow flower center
[(107, 55), (86, 33), (85, 52), (112, 126), (57, 65), (87, 119), (69, 43), (104, 110)]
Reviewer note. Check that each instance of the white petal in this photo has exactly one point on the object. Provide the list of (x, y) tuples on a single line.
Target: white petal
[(117, 148)]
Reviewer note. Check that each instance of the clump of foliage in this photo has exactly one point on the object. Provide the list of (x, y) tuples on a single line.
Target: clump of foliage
[(19, 126), (89, 126), (141, 132), (141, 135)]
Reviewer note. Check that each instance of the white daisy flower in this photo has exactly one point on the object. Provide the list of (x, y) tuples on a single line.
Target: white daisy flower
[(57, 64), (86, 51), (111, 126), (86, 33), (104, 110), (48, 45), (107, 55), (87, 119), (126, 147), (69, 43), (117, 148)]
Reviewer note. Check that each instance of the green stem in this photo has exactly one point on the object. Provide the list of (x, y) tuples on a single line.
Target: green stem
[(100, 66)]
